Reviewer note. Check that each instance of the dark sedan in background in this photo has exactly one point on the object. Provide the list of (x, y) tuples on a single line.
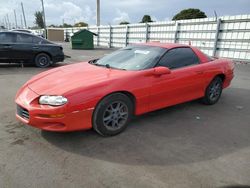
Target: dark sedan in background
[(20, 47)]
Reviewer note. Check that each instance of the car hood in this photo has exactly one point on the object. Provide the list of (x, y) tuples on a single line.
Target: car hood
[(61, 80)]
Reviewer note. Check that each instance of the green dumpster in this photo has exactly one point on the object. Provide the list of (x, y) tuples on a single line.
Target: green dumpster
[(83, 39)]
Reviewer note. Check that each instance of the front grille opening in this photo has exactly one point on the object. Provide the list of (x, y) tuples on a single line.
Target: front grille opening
[(22, 112)]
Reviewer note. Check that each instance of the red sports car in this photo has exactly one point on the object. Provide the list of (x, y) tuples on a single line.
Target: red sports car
[(105, 93)]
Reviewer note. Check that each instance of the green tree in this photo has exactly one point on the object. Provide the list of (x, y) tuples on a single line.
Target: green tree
[(146, 19), (39, 19), (190, 13), (124, 23), (52, 25), (65, 25), (81, 24)]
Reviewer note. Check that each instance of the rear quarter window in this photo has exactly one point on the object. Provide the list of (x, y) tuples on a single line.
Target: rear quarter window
[(23, 38), (179, 57), (37, 40), (45, 42)]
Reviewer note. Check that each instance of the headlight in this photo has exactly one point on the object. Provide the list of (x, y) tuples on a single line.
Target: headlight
[(53, 100)]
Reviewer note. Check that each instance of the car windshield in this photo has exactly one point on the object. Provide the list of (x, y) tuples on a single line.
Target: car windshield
[(132, 58)]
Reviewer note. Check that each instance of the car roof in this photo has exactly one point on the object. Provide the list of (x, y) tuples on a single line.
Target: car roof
[(22, 30), (163, 45), (14, 32), (203, 58)]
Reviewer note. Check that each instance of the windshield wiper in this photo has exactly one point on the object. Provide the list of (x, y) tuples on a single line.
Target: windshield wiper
[(93, 61), (101, 65), (108, 66)]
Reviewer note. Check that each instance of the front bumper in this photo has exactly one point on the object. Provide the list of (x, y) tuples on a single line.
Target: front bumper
[(50, 118)]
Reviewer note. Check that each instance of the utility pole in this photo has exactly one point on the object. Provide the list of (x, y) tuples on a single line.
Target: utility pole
[(9, 26), (21, 21), (6, 23), (98, 12), (3, 23), (44, 21), (25, 24), (215, 14), (15, 17)]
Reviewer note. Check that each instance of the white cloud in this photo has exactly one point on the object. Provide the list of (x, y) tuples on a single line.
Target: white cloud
[(68, 11), (71, 11), (3, 14), (121, 16), (115, 11)]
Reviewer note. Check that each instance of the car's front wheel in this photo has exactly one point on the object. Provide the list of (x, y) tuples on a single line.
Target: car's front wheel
[(112, 114), (213, 91), (42, 60)]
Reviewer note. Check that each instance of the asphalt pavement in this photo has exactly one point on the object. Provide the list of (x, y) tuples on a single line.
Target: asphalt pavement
[(187, 145)]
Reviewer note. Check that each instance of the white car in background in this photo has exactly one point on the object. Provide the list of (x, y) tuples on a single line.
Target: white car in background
[(28, 31)]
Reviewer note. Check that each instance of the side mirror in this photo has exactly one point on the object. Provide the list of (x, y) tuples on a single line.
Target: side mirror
[(161, 70)]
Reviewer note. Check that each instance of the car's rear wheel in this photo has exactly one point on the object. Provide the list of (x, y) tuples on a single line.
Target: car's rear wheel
[(42, 60), (213, 91), (112, 114)]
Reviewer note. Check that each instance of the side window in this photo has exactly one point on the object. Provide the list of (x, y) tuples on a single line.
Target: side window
[(45, 42), (6, 38), (179, 57), (22, 38), (37, 40)]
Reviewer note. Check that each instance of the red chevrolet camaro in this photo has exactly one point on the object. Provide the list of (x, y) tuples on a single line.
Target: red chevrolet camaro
[(105, 93)]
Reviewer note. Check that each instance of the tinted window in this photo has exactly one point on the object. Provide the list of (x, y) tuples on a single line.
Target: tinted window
[(6, 37), (22, 38), (179, 57), (37, 40)]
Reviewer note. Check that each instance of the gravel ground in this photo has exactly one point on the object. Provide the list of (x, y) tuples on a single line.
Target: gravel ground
[(188, 145)]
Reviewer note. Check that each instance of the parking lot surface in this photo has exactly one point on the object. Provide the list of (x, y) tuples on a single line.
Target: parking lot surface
[(187, 145)]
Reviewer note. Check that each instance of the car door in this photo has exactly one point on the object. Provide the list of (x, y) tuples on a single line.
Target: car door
[(184, 83), (24, 48), (6, 46)]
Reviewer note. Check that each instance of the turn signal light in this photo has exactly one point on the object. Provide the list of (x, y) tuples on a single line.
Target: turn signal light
[(51, 115)]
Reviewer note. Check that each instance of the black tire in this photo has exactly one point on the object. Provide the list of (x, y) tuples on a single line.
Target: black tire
[(42, 60), (213, 91), (107, 119)]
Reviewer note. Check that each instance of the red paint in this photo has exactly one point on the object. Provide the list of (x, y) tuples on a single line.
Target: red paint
[(84, 85)]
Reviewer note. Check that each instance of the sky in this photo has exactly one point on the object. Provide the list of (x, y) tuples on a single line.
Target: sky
[(115, 11)]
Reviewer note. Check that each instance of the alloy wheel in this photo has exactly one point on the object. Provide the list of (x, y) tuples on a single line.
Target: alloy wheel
[(115, 115), (215, 90)]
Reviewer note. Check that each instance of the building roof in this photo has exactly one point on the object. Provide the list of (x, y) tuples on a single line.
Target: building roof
[(85, 30)]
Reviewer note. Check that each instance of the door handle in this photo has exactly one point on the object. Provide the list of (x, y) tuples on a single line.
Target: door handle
[(35, 47)]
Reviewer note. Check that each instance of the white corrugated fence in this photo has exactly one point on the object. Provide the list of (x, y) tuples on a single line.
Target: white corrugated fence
[(227, 36)]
